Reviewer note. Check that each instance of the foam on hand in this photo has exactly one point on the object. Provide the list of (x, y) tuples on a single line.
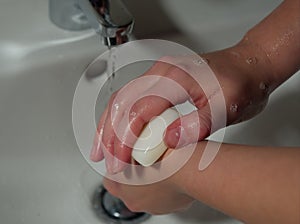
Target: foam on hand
[(150, 145)]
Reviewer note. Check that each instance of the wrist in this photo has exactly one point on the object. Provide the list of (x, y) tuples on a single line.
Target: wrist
[(240, 71), (276, 38), (184, 181), (258, 63)]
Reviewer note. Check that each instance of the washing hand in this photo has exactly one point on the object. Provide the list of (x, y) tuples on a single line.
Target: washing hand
[(247, 73), (245, 95)]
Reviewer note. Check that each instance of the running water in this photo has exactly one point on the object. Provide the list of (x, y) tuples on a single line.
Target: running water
[(111, 68)]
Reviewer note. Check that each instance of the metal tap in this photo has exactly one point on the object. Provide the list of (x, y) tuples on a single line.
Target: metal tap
[(109, 18)]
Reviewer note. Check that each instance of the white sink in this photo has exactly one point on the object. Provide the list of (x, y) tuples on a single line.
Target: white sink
[(43, 176)]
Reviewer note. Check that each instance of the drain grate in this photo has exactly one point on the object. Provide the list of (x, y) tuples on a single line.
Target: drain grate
[(113, 210)]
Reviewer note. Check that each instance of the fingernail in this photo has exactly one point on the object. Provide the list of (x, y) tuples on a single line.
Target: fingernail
[(96, 154), (175, 138)]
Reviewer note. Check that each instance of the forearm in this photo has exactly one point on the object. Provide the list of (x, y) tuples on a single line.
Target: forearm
[(251, 70), (276, 40), (254, 184)]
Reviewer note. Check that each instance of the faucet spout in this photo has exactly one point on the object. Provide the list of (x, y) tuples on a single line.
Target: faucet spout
[(109, 18)]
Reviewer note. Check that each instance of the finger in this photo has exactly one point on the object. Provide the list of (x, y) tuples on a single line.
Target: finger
[(111, 186), (188, 129), (157, 99), (128, 94), (140, 114), (96, 152), (108, 137), (117, 129), (159, 67), (119, 135)]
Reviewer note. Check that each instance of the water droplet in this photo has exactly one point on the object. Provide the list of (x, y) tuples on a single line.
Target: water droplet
[(193, 125), (133, 114), (233, 107), (251, 60), (101, 131), (262, 86), (197, 62), (116, 106), (200, 61)]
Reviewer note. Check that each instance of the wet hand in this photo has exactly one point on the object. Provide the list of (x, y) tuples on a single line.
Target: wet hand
[(174, 80), (158, 198)]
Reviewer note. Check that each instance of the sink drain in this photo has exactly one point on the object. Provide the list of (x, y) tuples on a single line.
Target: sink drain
[(113, 210)]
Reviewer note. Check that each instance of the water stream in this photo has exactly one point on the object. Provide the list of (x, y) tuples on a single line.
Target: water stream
[(111, 68)]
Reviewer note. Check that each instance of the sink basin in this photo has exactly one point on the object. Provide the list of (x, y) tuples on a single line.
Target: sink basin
[(43, 176)]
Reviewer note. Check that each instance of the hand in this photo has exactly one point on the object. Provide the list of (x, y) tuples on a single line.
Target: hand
[(158, 198), (242, 82), (228, 185)]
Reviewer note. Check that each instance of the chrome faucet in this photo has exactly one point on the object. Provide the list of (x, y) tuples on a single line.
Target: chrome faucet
[(109, 18)]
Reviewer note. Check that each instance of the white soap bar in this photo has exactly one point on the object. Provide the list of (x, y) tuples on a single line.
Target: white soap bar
[(150, 145)]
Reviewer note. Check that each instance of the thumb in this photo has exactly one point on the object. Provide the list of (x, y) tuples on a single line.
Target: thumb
[(190, 128)]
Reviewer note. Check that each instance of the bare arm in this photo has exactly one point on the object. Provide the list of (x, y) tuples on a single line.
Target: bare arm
[(247, 72), (278, 36), (253, 184)]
